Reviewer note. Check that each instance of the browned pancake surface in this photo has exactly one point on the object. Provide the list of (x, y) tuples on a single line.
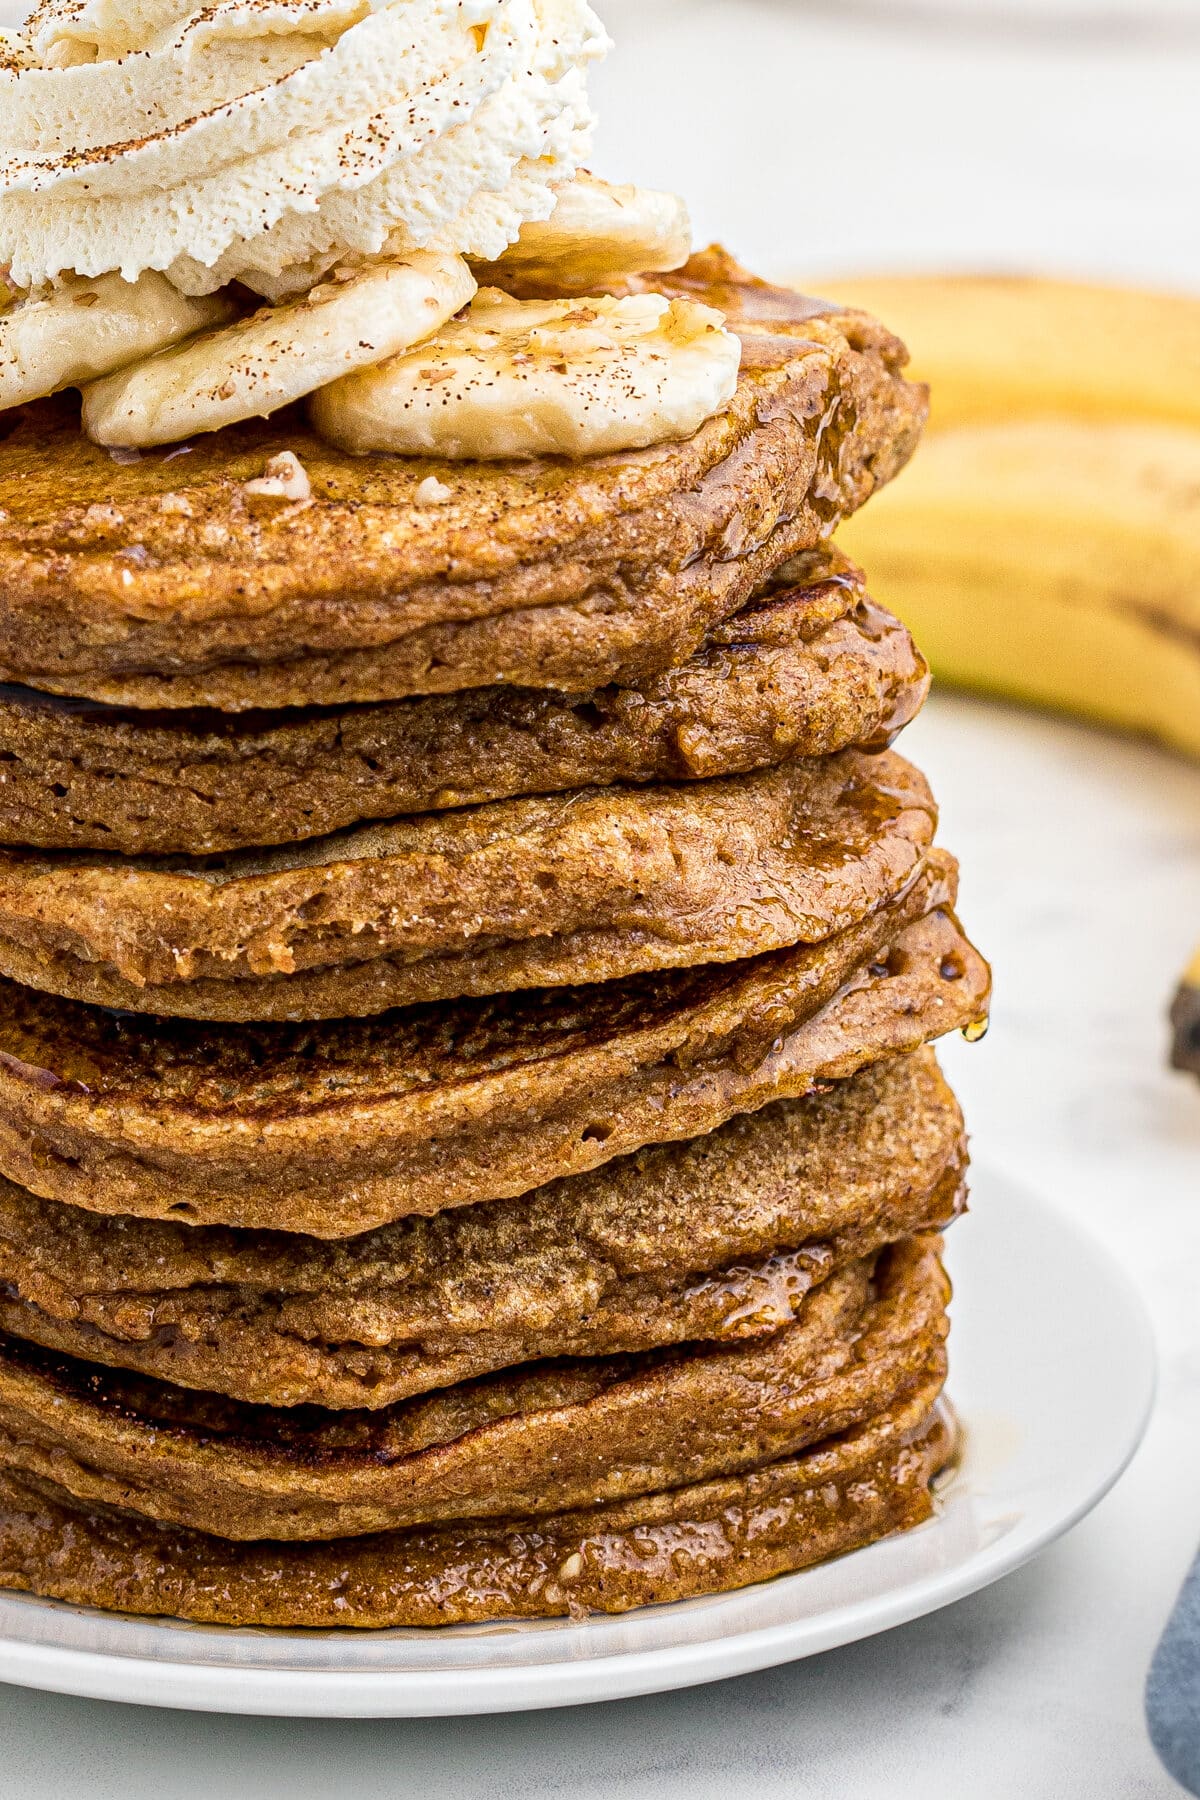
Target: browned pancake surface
[(547, 574), (332, 1129), (704, 1539), (542, 1438), (720, 1239), (538, 892), (804, 670)]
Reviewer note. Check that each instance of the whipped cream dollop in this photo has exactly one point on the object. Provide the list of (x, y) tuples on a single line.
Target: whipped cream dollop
[(266, 140)]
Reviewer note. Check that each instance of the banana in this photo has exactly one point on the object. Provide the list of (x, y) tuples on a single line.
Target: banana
[(1054, 561), (595, 232), (1185, 1019), (278, 354), (996, 347), (68, 334), (522, 378)]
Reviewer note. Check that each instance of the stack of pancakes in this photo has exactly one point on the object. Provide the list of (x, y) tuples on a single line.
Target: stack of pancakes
[(470, 1144)]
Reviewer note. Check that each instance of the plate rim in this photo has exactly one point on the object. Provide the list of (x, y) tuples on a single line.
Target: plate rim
[(181, 1684)]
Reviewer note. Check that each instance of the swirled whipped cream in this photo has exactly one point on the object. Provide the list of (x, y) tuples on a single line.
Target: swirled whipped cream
[(265, 140)]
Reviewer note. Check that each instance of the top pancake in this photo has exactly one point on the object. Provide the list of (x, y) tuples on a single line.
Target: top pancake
[(553, 573)]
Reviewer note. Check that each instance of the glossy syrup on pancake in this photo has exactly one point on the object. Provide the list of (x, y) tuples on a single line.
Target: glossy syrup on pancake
[(704, 1539), (716, 1239), (334, 1128), (542, 891), (804, 670), (553, 574), (541, 1438)]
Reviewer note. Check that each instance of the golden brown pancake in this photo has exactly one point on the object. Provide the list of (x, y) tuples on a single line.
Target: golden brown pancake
[(705, 1539), (547, 891), (335, 1128), (804, 670), (543, 1438), (548, 799), (719, 1239), (556, 573)]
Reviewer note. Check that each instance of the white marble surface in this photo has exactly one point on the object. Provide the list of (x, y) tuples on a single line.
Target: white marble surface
[(813, 143)]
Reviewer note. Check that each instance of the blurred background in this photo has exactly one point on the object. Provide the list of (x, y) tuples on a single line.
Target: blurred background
[(819, 136)]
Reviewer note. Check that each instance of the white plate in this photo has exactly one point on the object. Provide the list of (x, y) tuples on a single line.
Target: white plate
[(1052, 1373)]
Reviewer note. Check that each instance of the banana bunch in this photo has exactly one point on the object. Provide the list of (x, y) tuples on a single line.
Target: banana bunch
[(1051, 561), (1045, 544), (401, 353), (997, 347)]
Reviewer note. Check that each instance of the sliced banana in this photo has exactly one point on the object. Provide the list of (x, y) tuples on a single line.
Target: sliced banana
[(521, 378), (596, 231), (278, 354), (70, 333)]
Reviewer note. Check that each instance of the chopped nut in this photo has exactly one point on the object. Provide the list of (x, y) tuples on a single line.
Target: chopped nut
[(213, 536), (285, 478), (88, 299), (432, 492), (175, 503), (572, 1568), (103, 515)]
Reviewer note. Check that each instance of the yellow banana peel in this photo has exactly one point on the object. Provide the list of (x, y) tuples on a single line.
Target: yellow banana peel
[(1051, 560), (1045, 544), (1006, 347)]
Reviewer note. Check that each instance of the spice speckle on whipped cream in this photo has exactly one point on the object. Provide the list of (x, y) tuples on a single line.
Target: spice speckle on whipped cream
[(264, 140)]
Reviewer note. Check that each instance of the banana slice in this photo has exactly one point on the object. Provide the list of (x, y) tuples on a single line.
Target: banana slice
[(69, 334), (521, 378), (595, 232), (278, 354)]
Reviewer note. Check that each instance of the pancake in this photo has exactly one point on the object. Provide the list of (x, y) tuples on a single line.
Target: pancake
[(556, 573), (805, 670), (546, 1437), (334, 1129), (705, 1539), (719, 1239), (546, 891)]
